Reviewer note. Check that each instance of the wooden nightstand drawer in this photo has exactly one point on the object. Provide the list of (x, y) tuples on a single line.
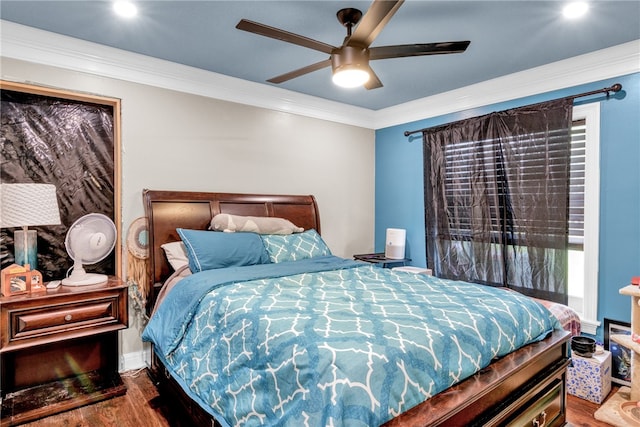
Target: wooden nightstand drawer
[(62, 314), (65, 317)]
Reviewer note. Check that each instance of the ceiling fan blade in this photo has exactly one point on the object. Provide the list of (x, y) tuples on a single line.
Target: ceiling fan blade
[(419, 49), (276, 33), (373, 21), (301, 71), (374, 82)]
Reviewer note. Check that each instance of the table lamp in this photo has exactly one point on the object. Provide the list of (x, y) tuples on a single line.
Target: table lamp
[(25, 205)]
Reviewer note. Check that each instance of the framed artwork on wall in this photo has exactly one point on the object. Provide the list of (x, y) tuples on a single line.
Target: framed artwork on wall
[(70, 140), (620, 355)]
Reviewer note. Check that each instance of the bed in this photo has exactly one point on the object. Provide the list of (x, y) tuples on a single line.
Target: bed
[(523, 386)]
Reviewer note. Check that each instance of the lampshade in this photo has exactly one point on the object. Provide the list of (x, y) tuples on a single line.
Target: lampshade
[(28, 205), (25, 205)]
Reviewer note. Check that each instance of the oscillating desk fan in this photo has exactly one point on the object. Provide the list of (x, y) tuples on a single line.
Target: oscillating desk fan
[(89, 240)]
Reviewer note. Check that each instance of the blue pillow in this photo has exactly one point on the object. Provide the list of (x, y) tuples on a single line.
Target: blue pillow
[(294, 247), (208, 250)]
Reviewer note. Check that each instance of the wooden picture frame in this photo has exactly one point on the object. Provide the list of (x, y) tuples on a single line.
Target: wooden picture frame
[(620, 355), (18, 280), (71, 140)]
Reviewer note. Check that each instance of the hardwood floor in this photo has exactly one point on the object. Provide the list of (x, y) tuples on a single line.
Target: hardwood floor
[(142, 407), (580, 412)]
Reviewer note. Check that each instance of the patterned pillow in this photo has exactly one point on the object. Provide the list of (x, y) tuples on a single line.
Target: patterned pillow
[(294, 247)]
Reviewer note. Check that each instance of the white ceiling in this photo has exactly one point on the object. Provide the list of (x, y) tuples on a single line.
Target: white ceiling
[(506, 37)]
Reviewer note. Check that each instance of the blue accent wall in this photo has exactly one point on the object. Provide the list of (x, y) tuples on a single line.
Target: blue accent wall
[(399, 198)]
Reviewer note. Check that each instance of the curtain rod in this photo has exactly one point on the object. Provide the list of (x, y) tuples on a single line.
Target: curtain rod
[(617, 87)]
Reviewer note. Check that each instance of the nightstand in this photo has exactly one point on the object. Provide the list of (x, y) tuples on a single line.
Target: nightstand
[(381, 260), (59, 349)]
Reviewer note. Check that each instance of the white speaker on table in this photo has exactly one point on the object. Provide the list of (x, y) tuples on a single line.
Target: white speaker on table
[(394, 248)]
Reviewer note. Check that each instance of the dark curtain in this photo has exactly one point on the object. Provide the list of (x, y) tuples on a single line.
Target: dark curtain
[(497, 199)]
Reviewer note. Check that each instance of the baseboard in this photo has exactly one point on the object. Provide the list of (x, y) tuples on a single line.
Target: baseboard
[(134, 360)]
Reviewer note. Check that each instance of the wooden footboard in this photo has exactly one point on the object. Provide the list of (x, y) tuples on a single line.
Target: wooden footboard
[(502, 392), (524, 386)]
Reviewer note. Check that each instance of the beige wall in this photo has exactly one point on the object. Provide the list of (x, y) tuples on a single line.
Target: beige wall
[(172, 140)]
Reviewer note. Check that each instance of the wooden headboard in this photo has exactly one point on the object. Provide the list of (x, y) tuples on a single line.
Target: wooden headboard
[(168, 210)]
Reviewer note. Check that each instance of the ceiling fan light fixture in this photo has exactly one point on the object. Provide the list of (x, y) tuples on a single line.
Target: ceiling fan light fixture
[(350, 66), (350, 76)]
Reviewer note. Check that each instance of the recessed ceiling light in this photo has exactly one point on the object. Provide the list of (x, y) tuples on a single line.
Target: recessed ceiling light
[(575, 9), (125, 8)]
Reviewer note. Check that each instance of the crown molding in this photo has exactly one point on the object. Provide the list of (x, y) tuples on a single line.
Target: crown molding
[(603, 64), (43, 47)]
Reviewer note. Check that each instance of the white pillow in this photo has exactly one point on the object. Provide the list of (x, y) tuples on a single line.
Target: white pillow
[(176, 253), (253, 224)]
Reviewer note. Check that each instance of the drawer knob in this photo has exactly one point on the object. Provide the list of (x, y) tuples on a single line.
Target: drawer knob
[(68, 317), (537, 423)]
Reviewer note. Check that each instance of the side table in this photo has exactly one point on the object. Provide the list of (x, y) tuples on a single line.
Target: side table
[(381, 260), (59, 349)]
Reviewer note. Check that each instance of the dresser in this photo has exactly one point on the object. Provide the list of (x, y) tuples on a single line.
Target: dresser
[(59, 349)]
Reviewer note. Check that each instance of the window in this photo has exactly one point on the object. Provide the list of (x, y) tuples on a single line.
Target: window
[(584, 215)]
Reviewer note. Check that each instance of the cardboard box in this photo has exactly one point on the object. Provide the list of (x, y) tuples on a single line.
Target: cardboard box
[(590, 377)]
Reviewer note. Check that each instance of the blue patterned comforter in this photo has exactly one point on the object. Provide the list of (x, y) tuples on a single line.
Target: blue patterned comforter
[(329, 341)]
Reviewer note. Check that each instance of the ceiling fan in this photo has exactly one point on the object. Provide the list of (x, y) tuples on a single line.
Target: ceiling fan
[(350, 62)]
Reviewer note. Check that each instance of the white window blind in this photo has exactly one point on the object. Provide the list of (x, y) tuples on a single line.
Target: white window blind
[(577, 184)]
